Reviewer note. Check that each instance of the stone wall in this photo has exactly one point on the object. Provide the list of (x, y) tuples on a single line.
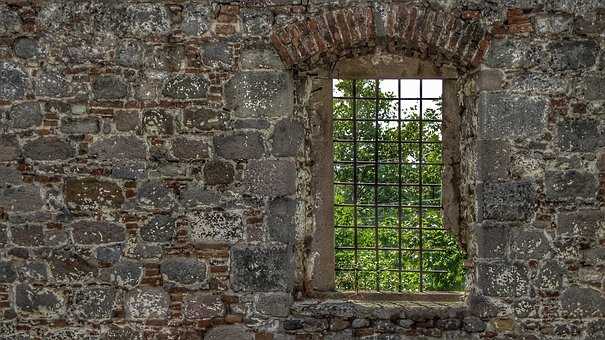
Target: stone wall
[(153, 158)]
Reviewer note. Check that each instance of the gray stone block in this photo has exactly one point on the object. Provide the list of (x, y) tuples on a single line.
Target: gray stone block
[(80, 126), (144, 19), (160, 228), (213, 226), (494, 160), (502, 279), (48, 149), (147, 303), (38, 300), (508, 116), (10, 22), (158, 122), (260, 94), (223, 332), (572, 54), (261, 268), (25, 115), (28, 235), (184, 271), (109, 87), (121, 333), (69, 266), (203, 306), (204, 119), (217, 55), (189, 149), (127, 121), (109, 254), (580, 135), (580, 302), (270, 178), (91, 194), (240, 145), (10, 176), (570, 184), (256, 21), (506, 201), (581, 225), (156, 194), (97, 232), (12, 81), (196, 19), (9, 148), (126, 274), (94, 302), (51, 84), (288, 137), (119, 147), (256, 58), (273, 304), (7, 272), (281, 220), (130, 53), (197, 195), (218, 172), (594, 87), (186, 86), (529, 244), (550, 276), (21, 199), (492, 240)]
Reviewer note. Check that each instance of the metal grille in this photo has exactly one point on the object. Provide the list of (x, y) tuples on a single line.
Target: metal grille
[(387, 182)]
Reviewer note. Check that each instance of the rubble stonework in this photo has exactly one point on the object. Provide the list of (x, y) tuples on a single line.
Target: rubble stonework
[(154, 167)]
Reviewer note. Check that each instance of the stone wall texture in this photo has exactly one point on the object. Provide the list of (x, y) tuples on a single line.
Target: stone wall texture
[(152, 162)]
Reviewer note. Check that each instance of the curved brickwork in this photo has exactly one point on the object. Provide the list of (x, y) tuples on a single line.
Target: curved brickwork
[(429, 32)]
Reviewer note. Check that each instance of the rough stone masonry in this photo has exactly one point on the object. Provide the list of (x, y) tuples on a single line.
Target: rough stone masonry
[(154, 155)]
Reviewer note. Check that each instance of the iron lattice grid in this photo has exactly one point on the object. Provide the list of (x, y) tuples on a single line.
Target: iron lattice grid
[(403, 207)]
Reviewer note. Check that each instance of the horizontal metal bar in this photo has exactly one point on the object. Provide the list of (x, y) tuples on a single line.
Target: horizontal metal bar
[(390, 99), (363, 205), (387, 120), (389, 228), (337, 140), (384, 163), (390, 249), (432, 271), (390, 184)]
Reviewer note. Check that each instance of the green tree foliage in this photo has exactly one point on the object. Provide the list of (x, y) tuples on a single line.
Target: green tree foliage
[(381, 268)]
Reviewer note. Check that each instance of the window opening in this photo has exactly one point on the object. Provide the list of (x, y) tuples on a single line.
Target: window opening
[(388, 163)]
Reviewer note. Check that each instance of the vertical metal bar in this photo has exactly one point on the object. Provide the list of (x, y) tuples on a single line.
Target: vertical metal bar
[(376, 125), (355, 236), (399, 180), (421, 211)]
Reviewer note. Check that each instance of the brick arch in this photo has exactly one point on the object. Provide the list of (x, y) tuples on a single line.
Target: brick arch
[(426, 32)]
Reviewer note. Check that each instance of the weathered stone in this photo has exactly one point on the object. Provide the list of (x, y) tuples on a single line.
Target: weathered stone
[(506, 201), (119, 147), (184, 86), (594, 86), (255, 58), (7, 272), (68, 266), (147, 303), (580, 135), (9, 148), (12, 81), (10, 176), (21, 199), (48, 149), (126, 273), (579, 302), (281, 223), (25, 115), (481, 306), (217, 55), (287, 138), (240, 145), (158, 122), (10, 22), (572, 54), (223, 332), (203, 306), (38, 300), (79, 126), (126, 333), (595, 330), (581, 225), (204, 119), (257, 124), (145, 19), (196, 19), (494, 160), (51, 84), (129, 170), (490, 80), (97, 232), (218, 172), (212, 226), (156, 194), (127, 120), (161, 228), (502, 280), (183, 271), (270, 178), (570, 184), (492, 240), (94, 302), (189, 149), (259, 94), (28, 235), (261, 268), (91, 194), (130, 53), (553, 24), (473, 324), (109, 87), (529, 244), (109, 254), (550, 277), (196, 195), (274, 304), (256, 21), (168, 58), (509, 53), (506, 116), (33, 272)]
